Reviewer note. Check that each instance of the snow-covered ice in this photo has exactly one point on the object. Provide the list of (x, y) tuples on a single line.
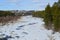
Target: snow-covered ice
[(27, 28)]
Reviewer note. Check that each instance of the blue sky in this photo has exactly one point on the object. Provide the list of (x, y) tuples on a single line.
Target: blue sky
[(25, 4)]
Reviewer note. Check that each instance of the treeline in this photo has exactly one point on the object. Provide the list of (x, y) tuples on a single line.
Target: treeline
[(39, 14), (6, 13), (8, 16), (51, 16)]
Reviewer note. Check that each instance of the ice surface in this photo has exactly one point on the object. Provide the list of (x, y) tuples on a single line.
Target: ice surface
[(27, 28)]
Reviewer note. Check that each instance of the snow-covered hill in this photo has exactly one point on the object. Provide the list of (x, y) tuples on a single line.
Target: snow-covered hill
[(27, 28)]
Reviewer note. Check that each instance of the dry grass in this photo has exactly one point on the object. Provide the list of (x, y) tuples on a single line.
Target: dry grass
[(6, 19)]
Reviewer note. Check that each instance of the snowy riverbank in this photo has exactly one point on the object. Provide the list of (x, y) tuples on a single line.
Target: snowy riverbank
[(27, 28)]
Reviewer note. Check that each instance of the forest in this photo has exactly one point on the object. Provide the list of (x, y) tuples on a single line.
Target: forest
[(51, 16)]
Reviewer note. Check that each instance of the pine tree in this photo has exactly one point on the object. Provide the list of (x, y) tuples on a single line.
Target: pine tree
[(56, 16), (48, 16)]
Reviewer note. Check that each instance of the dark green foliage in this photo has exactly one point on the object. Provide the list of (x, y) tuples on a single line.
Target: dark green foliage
[(6, 13), (51, 16), (48, 15), (38, 14), (56, 16)]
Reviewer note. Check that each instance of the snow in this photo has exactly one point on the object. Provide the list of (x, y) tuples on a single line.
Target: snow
[(28, 28)]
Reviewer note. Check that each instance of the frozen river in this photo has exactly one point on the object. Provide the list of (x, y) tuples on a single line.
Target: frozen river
[(27, 28)]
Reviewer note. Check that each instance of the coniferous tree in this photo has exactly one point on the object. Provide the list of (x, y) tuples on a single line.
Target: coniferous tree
[(48, 16), (56, 16)]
